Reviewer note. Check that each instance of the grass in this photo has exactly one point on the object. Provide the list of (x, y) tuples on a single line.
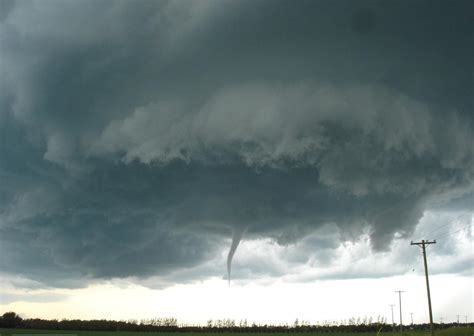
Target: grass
[(444, 332), (463, 331)]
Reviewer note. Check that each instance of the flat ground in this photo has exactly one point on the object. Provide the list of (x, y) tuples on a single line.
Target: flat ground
[(10, 332)]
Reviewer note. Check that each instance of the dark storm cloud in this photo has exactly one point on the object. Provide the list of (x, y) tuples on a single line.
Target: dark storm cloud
[(135, 136), (5, 8)]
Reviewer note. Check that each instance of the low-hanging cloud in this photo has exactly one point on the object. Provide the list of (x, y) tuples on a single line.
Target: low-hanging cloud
[(133, 146)]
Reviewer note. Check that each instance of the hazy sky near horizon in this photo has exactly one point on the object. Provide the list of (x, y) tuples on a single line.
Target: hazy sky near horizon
[(138, 137)]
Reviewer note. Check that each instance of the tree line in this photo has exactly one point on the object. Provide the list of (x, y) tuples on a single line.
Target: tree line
[(167, 324)]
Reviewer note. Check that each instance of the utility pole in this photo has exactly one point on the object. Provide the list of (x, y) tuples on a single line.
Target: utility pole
[(458, 318), (465, 318), (411, 314), (393, 321), (400, 302), (441, 320), (423, 244)]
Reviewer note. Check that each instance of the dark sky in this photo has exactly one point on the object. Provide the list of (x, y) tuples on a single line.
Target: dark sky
[(136, 136)]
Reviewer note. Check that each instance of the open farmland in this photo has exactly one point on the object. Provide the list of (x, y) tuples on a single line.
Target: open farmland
[(10, 332)]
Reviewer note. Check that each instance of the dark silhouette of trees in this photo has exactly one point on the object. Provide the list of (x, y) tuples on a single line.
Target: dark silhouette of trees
[(170, 324), (10, 320)]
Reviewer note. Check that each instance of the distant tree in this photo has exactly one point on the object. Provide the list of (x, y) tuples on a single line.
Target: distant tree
[(10, 320)]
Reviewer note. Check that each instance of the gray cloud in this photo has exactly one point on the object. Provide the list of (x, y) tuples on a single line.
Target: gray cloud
[(136, 137), (7, 298), (5, 8), (322, 256)]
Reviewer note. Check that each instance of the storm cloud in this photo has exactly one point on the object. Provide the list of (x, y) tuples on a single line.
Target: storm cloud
[(135, 137)]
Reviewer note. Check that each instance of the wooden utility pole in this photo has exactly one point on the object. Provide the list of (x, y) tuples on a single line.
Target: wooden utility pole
[(393, 321), (400, 303), (423, 244)]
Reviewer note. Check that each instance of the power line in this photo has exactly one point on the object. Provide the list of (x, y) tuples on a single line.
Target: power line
[(400, 302), (450, 233), (423, 244), (442, 228), (445, 228)]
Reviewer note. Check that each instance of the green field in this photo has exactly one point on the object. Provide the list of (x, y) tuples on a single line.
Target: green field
[(445, 332)]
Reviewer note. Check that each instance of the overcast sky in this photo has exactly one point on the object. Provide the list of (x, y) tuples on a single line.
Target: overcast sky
[(140, 140)]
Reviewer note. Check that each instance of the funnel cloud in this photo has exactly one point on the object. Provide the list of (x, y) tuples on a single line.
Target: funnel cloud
[(236, 237)]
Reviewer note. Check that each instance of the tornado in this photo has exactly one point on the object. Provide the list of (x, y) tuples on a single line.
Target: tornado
[(236, 237)]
